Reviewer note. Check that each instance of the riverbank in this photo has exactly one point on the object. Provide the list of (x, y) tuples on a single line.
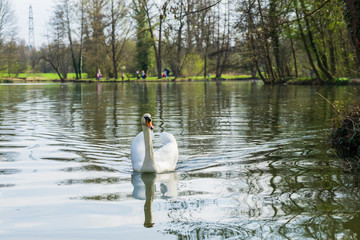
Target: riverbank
[(314, 81), (44, 77), (149, 79)]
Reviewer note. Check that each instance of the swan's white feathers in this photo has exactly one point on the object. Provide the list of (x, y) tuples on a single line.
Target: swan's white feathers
[(165, 156), (138, 152)]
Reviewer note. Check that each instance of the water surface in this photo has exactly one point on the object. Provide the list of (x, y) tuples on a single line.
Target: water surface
[(253, 164)]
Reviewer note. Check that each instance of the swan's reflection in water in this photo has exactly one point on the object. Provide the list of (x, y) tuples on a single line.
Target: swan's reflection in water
[(147, 184)]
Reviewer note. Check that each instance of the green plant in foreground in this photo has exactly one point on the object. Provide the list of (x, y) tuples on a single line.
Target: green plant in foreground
[(345, 135)]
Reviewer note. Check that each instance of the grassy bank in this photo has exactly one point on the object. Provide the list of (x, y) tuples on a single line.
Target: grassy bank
[(313, 81), (72, 77), (345, 134)]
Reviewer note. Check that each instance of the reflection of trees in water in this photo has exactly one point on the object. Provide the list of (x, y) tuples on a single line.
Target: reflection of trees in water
[(288, 200), (283, 188), (278, 110), (200, 230)]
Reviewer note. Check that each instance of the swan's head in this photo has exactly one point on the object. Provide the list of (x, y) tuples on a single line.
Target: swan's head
[(146, 121)]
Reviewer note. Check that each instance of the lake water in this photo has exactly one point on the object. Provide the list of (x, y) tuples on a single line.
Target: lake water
[(253, 163)]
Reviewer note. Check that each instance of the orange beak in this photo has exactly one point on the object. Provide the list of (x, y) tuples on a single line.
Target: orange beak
[(149, 124)]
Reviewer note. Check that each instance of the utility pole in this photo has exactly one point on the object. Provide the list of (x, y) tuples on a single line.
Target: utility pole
[(31, 29)]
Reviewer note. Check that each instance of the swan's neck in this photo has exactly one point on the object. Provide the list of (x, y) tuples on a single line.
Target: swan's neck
[(149, 163), (149, 181)]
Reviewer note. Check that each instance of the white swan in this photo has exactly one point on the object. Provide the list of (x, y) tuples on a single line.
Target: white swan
[(145, 159)]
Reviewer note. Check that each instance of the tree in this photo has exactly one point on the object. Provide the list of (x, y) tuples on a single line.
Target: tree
[(276, 38), (189, 33), (6, 29), (6, 19), (117, 33), (81, 7), (56, 52), (95, 53), (303, 37), (352, 15), (10, 53), (222, 40), (313, 45), (176, 46), (64, 8), (157, 46), (143, 38), (56, 55)]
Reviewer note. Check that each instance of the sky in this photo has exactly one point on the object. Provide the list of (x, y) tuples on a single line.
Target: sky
[(42, 11)]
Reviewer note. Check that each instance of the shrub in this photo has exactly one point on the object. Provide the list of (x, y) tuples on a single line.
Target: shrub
[(345, 136), (194, 65)]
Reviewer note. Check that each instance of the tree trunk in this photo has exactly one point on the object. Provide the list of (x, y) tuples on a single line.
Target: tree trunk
[(157, 52), (177, 71), (158, 60), (73, 55), (113, 41), (55, 68), (252, 43), (251, 33), (352, 14), (344, 52), (227, 45), (294, 54), (306, 46), (267, 51), (113, 55), (217, 75), (332, 54), (68, 29), (312, 44), (275, 38), (80, 60), (207, 38)]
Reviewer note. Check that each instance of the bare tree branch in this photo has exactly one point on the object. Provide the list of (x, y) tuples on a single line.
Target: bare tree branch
[(199, 10)]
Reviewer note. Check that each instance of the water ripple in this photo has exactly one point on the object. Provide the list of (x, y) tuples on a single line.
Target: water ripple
[(253, 163)]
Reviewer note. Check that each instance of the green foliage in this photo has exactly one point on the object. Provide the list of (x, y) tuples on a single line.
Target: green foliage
[(128, 59), (269, 42), (41, 76), (345, 136), (310, 81), (194, 65), (144, 54), (339, 81)]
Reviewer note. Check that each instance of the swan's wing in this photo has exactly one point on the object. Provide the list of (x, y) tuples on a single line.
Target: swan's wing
[(166, 157), (138, 152)]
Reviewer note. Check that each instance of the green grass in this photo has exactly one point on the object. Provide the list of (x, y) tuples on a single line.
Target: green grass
[(340, 81), (71, 76), (45, 76), (154, 78), (48, 76), (309, 81), (235, 76)]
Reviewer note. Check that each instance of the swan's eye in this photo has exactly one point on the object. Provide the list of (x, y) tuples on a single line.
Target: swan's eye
[(148, 122)]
